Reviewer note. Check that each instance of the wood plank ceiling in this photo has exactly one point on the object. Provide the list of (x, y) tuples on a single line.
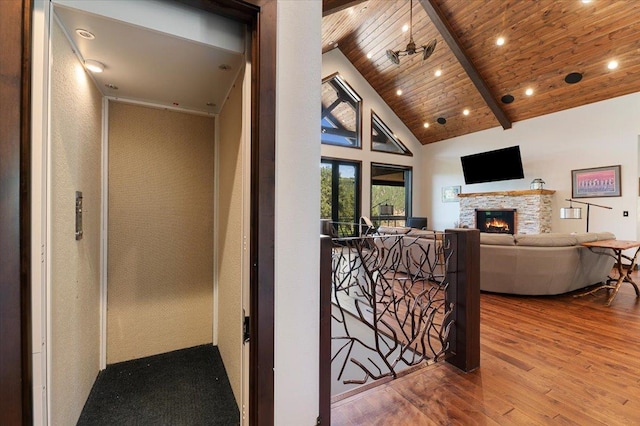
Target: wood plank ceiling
[(544, 41)]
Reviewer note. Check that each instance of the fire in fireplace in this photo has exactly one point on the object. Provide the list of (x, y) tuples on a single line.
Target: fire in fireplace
[(497, 221)]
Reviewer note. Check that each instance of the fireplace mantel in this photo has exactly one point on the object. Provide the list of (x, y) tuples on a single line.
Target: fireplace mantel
[(517, 193), (534, 207)]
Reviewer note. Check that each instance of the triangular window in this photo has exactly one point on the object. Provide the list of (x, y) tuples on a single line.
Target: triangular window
[(340, 113), (383, 139)]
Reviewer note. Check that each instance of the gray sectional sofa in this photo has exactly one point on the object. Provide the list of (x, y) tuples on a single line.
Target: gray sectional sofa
[(541, 264), (521, 264)]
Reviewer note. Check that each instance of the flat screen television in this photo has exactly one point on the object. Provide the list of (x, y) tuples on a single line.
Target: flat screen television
[(492, 166)]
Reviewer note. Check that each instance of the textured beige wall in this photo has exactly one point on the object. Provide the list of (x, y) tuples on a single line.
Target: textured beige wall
[(160, 231), (229, 236), (76, 117)]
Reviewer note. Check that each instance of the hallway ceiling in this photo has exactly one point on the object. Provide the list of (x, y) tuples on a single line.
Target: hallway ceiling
[(152, 66), (545, 40)]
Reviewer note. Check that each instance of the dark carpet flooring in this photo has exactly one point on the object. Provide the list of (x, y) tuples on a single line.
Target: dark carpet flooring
[(185, 387)]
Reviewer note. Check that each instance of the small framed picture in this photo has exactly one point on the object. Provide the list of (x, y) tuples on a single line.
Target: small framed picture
[(596, 182), (450, 194)]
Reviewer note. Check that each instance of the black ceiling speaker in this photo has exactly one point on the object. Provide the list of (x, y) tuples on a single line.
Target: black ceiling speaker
[(507, 99), (441, 120), (573, 77)]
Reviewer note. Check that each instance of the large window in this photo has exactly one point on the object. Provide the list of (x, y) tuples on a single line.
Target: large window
[(340, 195), (340, 113), (390, 194)]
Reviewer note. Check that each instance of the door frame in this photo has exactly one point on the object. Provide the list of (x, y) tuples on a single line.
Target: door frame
[(16, 398)]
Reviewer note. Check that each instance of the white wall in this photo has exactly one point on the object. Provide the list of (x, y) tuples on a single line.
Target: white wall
[(74, 291), (297, 215), (160, 207), (594, 135), (333, 62), (229, 234)]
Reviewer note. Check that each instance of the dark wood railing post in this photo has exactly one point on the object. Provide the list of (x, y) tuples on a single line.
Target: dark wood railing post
[(324, 410), (463, 274)]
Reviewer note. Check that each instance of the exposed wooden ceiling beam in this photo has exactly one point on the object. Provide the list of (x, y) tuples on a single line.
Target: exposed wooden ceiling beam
[(333, 6), (442, 25)]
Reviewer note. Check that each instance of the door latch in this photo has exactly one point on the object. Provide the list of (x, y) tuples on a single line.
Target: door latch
[(245, 330), (78, 215)]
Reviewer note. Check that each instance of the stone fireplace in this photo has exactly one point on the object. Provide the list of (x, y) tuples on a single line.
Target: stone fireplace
[(496, 221), (532, 208)]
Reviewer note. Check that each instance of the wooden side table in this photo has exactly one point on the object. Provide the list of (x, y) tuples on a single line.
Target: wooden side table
[(624, 271)]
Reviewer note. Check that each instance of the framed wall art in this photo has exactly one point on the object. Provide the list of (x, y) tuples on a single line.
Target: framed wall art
[(596, 182), (450, 194)]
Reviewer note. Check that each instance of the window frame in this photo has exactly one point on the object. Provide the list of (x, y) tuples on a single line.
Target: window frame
[(384, 129), (408, 193), (357, 99), (336, 163)]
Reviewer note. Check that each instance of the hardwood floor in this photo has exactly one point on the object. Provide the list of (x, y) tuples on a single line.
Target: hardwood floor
[(544, 360)]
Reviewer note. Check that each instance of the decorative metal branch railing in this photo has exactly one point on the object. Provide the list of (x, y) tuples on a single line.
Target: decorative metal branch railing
[(390, 309)]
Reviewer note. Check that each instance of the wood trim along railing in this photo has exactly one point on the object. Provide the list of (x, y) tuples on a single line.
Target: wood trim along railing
[(324, 409), (464, 288)]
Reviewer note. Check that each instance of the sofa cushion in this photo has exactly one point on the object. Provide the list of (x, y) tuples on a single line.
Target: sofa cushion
[(421, 233), (586, 237), (497, 239), (393, 230), (545, 240), (605, 236)]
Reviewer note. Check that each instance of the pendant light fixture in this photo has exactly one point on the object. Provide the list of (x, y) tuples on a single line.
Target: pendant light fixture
[(411, 49)]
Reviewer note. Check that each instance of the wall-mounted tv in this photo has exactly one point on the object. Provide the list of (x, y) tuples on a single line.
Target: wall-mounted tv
[(492, 166)]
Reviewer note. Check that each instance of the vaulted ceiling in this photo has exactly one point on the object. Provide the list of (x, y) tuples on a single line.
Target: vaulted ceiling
[(544, 42)]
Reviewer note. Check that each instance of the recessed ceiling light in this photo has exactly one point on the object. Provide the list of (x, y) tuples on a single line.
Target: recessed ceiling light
[(441, 120), (369, 55), (465, 112), (573, 77), (586, 1), (93, 66), (612, 65), (500, 41), (405, 28), (507, 99), (399, 92), (529, 91), (85, 34), (438, 73), (426, 125)]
